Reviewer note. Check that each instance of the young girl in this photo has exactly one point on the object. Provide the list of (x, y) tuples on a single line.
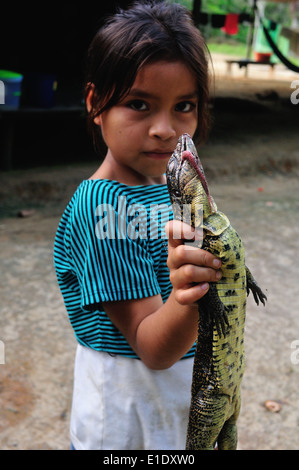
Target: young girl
[(131, 299)]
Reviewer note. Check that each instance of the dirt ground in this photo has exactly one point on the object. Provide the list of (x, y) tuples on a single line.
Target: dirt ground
[(252, 162)]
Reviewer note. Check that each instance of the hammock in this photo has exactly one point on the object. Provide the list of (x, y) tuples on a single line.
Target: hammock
[(275, 49)]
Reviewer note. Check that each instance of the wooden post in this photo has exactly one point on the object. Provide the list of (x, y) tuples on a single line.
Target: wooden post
[(251, 32), (196, 10)]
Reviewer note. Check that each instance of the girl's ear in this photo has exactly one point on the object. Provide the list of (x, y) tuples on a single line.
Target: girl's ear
[(97, 120)]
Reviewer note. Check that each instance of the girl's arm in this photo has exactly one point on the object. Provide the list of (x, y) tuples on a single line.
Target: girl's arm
[(161, 334)]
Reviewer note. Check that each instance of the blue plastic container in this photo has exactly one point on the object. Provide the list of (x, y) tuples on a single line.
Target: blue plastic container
[(11, 88)]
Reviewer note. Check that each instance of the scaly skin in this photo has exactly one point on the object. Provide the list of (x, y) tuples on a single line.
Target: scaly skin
[(219, 358)]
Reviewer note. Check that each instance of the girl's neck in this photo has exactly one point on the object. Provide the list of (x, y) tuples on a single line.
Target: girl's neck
[(125, 175)]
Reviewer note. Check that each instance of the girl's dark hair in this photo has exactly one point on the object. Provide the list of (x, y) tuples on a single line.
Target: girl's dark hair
[(143, 34)]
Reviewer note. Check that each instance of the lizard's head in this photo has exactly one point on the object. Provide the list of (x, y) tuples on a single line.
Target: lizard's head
[(186, 179)]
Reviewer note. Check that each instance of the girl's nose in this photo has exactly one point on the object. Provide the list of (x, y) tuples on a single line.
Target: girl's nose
[(162, 127)]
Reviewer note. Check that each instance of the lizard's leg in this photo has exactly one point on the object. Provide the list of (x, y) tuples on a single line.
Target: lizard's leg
[(228, 437), (253, 286), (207, 416), (212, 311)]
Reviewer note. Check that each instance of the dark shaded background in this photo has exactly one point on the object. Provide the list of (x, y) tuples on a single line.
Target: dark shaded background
[(51, 38)]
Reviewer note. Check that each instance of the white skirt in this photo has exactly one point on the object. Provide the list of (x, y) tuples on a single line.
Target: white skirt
[(118, 403)]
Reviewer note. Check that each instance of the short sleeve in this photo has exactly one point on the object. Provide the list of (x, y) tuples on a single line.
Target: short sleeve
[(110, 265)]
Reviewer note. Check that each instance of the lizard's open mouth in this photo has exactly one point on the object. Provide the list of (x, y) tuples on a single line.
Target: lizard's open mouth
[(195, 163)]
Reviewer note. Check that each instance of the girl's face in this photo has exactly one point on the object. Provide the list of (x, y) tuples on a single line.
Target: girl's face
[(142, 130)]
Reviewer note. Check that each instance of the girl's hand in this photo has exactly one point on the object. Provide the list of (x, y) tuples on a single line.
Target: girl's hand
[(161, 333), (191, 269)]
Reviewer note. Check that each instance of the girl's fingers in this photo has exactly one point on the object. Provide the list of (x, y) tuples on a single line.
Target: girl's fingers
[(177, 232), (190, 274), (179, 254), (191, 269), (192, 294), (188, 255)]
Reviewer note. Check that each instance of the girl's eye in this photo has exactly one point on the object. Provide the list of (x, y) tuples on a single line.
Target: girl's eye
[(185, 107), (138, 105)]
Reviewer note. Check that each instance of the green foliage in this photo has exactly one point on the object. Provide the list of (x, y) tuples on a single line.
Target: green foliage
[(278, 12), (275, 11), (220, 7), (187, 3), (220, 42), (225, 6), (236, 48)]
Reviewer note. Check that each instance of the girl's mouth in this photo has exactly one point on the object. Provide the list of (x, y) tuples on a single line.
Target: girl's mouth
[(158, 155)]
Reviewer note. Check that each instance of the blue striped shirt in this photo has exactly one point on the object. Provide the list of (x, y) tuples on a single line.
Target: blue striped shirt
[(110, 246)]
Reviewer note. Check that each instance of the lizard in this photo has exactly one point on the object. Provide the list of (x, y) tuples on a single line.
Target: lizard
[(219, 360)]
